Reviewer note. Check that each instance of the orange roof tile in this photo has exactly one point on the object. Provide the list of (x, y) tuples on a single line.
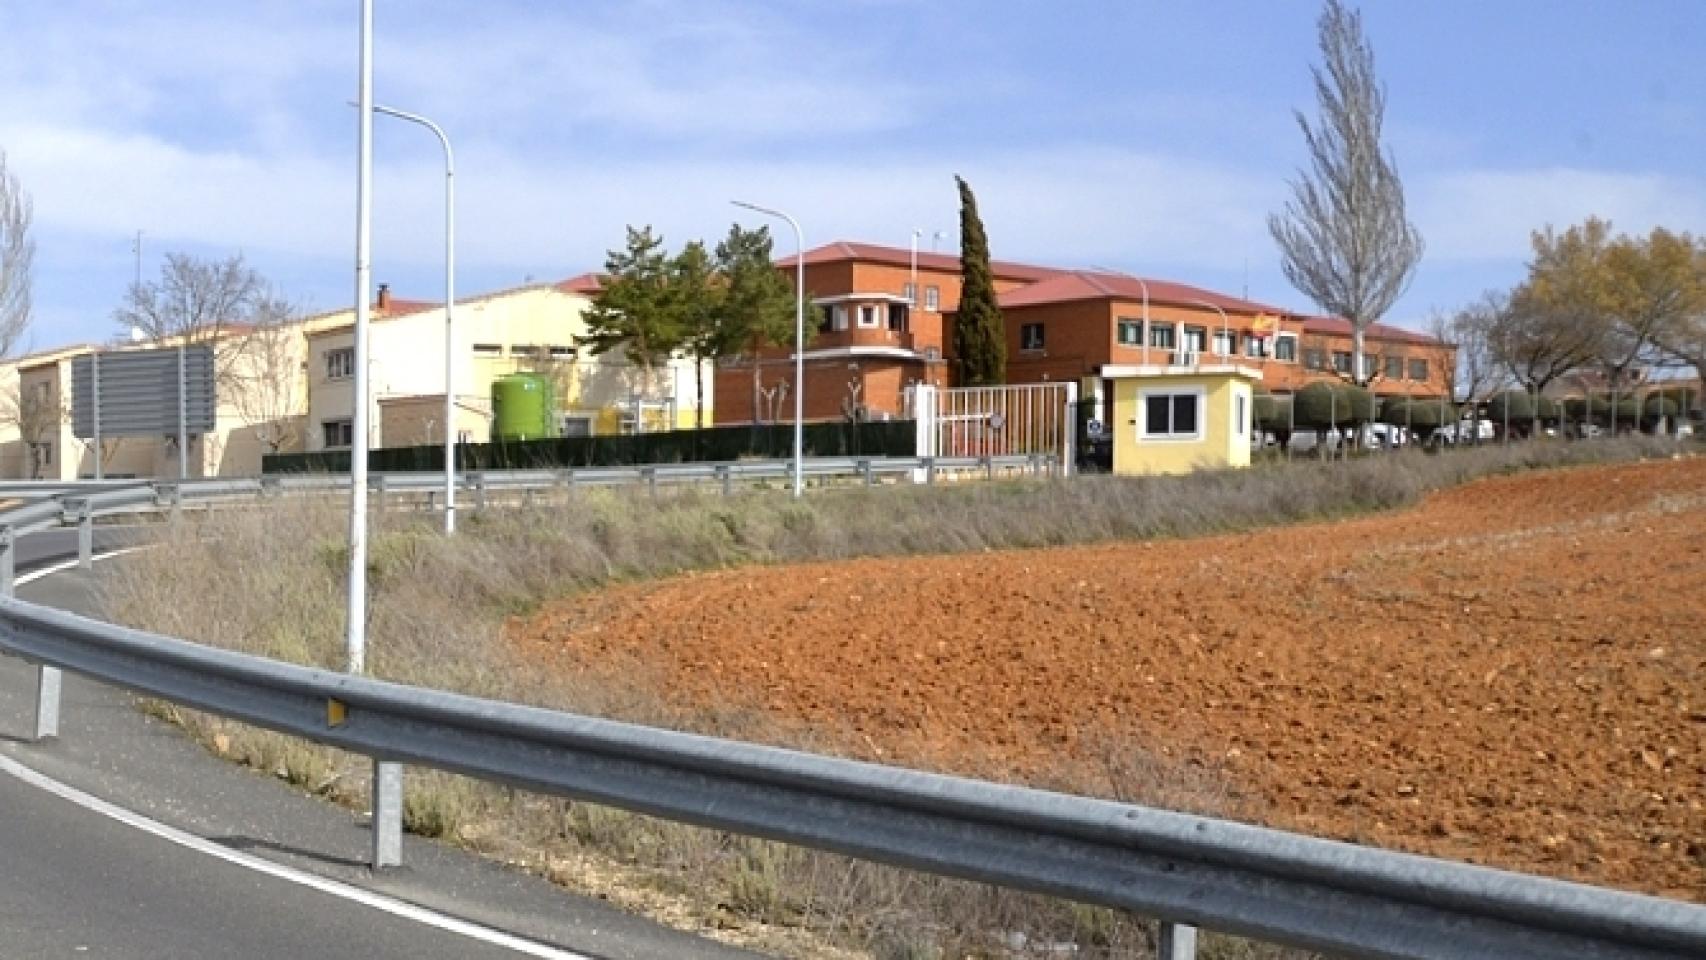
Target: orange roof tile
[(1068, 286), (1336, 326), (902, 257)]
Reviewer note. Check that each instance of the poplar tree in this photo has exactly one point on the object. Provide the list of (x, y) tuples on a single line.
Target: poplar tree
[(980, 339)]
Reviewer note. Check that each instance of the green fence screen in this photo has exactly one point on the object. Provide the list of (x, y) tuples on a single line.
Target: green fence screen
[(891, 438)]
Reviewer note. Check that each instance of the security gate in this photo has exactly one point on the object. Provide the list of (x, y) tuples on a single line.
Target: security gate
[(1011, 420)]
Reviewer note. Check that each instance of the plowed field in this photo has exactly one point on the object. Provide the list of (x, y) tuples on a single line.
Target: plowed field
[(1512, 672)]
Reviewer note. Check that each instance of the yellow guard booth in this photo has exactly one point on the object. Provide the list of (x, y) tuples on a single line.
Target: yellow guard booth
[(1176, 419)]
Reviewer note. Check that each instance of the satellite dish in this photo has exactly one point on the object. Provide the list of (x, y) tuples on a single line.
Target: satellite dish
[(136, 335)]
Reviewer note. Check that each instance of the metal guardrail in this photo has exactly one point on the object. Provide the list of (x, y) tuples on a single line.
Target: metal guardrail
[(1246, 880), (1188, 871)]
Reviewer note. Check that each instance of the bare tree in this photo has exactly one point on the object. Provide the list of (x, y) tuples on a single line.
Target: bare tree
[(1344, 240), (37, 412), (17, 259), (267, 382), (199, 301), (1467, 333)]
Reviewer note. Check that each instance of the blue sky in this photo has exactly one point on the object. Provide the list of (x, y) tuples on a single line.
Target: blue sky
[(1141, 135)]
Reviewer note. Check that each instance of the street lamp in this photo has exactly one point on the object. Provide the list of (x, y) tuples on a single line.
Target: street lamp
[(355, 625), (449, 309), (912, 298), (799, 339), (1224, 324)]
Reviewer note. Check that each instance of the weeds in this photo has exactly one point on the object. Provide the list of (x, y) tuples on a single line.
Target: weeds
[(271, 582)]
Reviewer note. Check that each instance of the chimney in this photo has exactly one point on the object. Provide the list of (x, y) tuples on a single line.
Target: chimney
[(384, 301)]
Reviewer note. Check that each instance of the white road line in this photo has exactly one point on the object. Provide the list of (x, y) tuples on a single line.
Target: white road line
[(344, 891), (367, 898), (35, 575)]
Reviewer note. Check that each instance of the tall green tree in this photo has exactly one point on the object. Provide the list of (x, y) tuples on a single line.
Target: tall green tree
[(697, 292), (980, 339), (635, 309), (1344, 238), (757, 305)]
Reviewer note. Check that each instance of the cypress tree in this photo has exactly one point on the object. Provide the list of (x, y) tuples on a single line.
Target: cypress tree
[(980, 340)]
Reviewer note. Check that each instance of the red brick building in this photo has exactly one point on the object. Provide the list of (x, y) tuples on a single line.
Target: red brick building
[(883, 321)]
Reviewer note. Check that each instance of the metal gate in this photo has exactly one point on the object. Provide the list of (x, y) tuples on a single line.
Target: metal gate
[(1012, 420)]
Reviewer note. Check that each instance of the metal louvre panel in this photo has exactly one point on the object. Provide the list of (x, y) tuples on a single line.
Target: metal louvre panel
[(139, 392)]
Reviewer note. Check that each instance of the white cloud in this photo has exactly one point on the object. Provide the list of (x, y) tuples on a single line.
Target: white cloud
[(1489, 214)]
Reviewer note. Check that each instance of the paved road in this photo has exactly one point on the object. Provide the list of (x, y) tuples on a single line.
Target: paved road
[(74, 883)]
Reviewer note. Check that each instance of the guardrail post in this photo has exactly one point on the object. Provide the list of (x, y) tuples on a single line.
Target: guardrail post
[(865, 472), (726, 478), (378, 488), (650, 475), (479, 483), (930, 471), (989, 468), (48, 681), (387, 814), (1177, 941), (85, 537), (527, 498), (568, 477), (271, 488), (8, 562)]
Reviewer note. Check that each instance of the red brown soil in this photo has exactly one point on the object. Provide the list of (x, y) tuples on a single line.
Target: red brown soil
[(1512, 672)]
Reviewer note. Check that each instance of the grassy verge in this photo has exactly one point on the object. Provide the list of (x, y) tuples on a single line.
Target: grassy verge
[(270, 582)]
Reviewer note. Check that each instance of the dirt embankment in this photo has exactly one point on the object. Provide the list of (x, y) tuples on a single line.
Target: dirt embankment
[(1512, 673)]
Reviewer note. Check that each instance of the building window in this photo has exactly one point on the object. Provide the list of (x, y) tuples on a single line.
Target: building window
[(909, 291), (1418, 370), (577, 426), (42, 454), (1225, 343), (1161, 335), (1285, 348), (1315, 359), (1130, 332), (337, 433), (1171, 416), (1196, 339), (488, 349), (825, 318), (867, 315), (561, 352), (1255, 346), (1394, 368), (1341, 361), (1370, 363), (899, 317), (1031, 336), (340, 363), (932, 298), (839, 320)]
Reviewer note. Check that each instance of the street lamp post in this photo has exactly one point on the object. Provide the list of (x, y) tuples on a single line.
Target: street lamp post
[(799, 339), (355, 639), (1225, 325), (449, 309), (912, 298)]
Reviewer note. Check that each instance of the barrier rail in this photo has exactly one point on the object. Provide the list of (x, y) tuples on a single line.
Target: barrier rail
[(1188, 871)]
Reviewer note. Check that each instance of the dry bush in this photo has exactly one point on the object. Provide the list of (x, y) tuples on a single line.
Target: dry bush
[(270, 581)]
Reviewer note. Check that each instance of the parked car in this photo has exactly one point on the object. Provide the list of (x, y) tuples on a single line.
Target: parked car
[(1464, 431)]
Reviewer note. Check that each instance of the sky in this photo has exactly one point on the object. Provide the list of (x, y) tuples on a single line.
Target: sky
[(1146, 136)]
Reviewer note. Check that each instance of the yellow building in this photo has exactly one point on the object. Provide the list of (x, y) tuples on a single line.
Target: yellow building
[(533, 328), (1178, 419)]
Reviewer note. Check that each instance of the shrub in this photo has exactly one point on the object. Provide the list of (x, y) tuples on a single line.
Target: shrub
[(1321, 405)]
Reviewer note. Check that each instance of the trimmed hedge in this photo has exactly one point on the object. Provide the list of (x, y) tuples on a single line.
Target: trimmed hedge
[(1321, 405), (890, 438), (1411, 412)]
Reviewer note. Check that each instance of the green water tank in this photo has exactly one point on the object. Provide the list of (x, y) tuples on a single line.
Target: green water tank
[(524, 407)]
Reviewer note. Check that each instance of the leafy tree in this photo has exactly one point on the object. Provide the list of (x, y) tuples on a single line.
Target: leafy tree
[(980, 339), (635, 309), (757, 304), (1344, 239)]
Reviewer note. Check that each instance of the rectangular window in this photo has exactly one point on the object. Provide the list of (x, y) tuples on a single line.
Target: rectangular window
[(577, 427), (1341, 361), (826, 319), (1370, 363), (42, 453), (1130, 332), (1171, 416), (1161, 335), (1418, 370), (1315, 359), (488, 349), (1196, 338), (867, 315), (1255, 346), (840, 317), (337, 433), (1238, 414), (932, 298), (340, 363), (1225, 343), (1031, 336), (1394, 368), (899, 315), (909, 291), (1285, 348)]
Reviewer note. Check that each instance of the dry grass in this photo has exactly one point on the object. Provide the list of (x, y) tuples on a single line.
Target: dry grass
[(270, 582)]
